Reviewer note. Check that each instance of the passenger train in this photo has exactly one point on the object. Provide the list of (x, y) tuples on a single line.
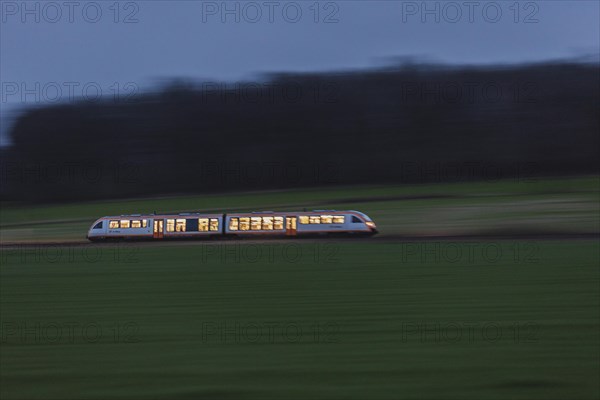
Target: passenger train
[(264, 223)]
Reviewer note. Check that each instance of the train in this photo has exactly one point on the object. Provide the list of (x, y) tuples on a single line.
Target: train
[(232, 225)]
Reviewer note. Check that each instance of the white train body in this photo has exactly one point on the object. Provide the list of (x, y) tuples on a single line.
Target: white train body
[(199, 225)]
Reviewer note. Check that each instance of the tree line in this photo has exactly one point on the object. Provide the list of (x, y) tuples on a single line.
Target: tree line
[(411, 123)]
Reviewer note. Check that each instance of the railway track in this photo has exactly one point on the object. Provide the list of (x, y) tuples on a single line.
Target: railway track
[(376, 239)]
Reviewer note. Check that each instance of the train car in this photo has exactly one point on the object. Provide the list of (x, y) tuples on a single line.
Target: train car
[(306, 223), (264, 223), (168, 226)]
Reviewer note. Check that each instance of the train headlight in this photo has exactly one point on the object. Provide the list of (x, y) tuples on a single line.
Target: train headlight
[(371, 224)]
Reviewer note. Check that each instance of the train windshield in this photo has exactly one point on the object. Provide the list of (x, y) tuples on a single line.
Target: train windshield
[(365, 216)]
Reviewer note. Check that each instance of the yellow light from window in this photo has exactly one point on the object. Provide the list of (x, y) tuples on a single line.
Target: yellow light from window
[(267, 223), (338, 219), (278, 223), (124, 223), (170, 225), (203, 225), (255, 223), (326, 219), (244, 224)]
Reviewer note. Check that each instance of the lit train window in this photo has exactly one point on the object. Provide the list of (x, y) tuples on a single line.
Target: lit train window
[(125, 223), (203, 224), (304, 220), (113, 225), (314, 220), (267, 223), (234, 224), (214, 224), (326, 219), (338, 219), (170, 225), (255, 223), (180, 225), (278, 223), (244, 224), (144, 223), (136, 224)]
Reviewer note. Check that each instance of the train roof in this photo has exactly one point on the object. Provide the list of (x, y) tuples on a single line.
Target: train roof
[(162, 215), (307, 212), (201, 214)]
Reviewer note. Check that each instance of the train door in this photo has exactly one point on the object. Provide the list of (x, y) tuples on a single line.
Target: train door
[(158, 228), (290, 226)]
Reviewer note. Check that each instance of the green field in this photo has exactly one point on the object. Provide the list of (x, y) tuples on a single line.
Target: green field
[(508, 319), (512, 206), (381, 318)]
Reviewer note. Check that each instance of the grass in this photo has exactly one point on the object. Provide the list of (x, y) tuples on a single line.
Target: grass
[(428, 320), (535, 205), (344, 320)]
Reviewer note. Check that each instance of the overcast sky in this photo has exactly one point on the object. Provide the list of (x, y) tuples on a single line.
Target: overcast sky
[(54, 51)]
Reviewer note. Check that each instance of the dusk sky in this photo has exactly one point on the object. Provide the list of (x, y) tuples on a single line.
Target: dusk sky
[(114, 47)]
